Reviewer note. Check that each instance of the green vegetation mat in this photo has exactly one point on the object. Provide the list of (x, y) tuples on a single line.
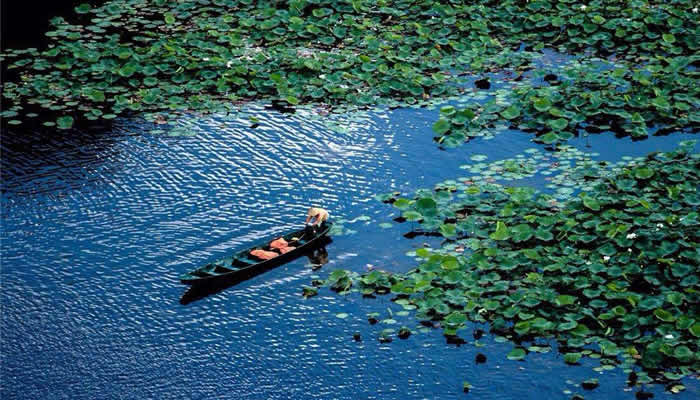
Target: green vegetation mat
[(662, 96), (611, 273), (161, 58)]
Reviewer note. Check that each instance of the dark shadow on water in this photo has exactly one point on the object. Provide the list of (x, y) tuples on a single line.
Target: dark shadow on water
[(413, 234), (281, 107), (51, 158), (455, 340), (24, 23), (317, 258)]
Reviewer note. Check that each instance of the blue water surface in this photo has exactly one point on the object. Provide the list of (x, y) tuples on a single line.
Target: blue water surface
[(97, 227)]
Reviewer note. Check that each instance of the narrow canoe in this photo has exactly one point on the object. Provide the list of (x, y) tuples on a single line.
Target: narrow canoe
[(242, 263)]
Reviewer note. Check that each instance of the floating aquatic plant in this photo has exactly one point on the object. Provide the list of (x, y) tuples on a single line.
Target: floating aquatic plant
[(660, 96), (627, 100), (159, 57), (610, 274)]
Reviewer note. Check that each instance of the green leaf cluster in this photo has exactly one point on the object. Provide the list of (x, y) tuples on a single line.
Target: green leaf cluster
[(615, 268)]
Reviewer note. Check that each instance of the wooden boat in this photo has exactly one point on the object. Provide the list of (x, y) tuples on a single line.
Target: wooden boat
[(242, 263)]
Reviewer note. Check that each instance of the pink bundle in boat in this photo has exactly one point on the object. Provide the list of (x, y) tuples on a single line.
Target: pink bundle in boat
[(281, 245), (278, 245)]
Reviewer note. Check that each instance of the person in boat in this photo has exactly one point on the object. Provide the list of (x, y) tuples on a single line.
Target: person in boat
[(315, 217)]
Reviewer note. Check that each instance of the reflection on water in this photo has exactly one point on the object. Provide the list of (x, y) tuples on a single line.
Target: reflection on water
[(97, 227), (318, 258)]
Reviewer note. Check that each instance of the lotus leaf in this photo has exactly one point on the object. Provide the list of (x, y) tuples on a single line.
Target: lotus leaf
[(572, 358), (502, 232), (65, 122), (517, 354)]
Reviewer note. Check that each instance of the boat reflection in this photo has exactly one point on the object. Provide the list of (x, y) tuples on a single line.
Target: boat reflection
[(317, 258)]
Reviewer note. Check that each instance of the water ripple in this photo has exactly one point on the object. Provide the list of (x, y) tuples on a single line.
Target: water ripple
[(96, 227)]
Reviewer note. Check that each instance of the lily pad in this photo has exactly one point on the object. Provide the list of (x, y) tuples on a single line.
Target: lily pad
[(502, 232), (517, 354), (572, 358), (511, 112), (65, 122)]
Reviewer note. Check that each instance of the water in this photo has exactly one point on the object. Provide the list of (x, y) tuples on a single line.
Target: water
[(96, 228)]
